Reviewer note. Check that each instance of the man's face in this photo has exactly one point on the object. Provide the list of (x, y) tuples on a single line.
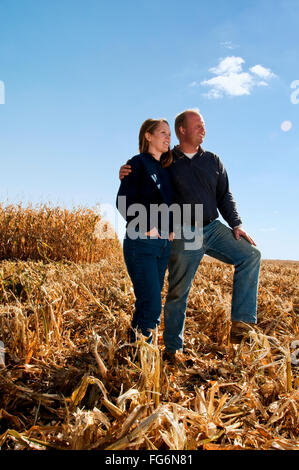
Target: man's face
[(194, 130)]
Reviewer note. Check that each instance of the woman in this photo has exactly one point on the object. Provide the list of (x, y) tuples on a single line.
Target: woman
[(148, 239)]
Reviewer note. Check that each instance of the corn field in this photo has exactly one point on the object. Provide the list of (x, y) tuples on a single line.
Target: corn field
[(53, 234), (70, 380)]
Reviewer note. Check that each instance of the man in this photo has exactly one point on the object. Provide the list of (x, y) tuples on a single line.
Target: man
[(199, 177)]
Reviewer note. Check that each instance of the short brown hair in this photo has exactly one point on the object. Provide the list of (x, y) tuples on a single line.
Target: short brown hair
[(149, 126), (180, 120)]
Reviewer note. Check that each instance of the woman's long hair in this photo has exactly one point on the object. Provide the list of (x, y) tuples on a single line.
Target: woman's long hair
[(149, 126)]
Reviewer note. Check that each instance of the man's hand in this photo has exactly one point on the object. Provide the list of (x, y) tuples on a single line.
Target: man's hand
[(171, 236), (124, 171), (239, 232)]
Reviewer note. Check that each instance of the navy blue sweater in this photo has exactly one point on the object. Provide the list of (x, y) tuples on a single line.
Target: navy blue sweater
[(203, 180), (148, 183)]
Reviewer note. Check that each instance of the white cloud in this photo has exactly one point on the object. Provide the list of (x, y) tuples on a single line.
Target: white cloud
[(234, 84), (192, 84), (228, 65), (262, 72), (233, 81)]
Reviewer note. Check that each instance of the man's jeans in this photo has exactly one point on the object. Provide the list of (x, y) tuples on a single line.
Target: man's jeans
[(220, 243), (146, 261)]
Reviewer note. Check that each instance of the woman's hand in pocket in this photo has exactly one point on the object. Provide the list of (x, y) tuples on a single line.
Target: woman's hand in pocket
[(153, 233)]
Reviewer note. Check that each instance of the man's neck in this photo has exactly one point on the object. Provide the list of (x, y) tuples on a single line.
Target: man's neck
[(187, 148)]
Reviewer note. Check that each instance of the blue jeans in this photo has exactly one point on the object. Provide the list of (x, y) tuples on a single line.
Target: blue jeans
[(146, 261), (220, 243)]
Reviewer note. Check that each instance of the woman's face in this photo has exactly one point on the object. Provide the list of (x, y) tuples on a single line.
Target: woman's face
[(159, 140)]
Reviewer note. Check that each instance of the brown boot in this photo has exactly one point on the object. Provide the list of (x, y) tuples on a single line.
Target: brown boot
[(171, 358), (239, 330)]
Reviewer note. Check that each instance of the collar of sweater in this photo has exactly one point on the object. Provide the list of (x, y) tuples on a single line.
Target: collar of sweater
[(151, 157), (179, 154)]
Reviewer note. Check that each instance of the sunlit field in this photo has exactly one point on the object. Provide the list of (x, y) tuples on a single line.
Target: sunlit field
[(70, 380)]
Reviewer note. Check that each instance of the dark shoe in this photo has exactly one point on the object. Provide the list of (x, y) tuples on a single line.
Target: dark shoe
[(170, 357), (240, 330)]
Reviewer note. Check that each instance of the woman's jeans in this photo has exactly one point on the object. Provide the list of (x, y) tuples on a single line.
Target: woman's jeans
[(219, 242), (146, 261)]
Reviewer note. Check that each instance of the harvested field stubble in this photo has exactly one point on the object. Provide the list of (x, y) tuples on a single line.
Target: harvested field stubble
[(68, 378), (69, 382)]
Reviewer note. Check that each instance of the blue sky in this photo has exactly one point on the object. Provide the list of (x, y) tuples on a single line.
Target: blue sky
[(77, 79)]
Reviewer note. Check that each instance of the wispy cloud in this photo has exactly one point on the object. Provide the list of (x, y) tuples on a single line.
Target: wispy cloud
[(229, 45), (230, 79)]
